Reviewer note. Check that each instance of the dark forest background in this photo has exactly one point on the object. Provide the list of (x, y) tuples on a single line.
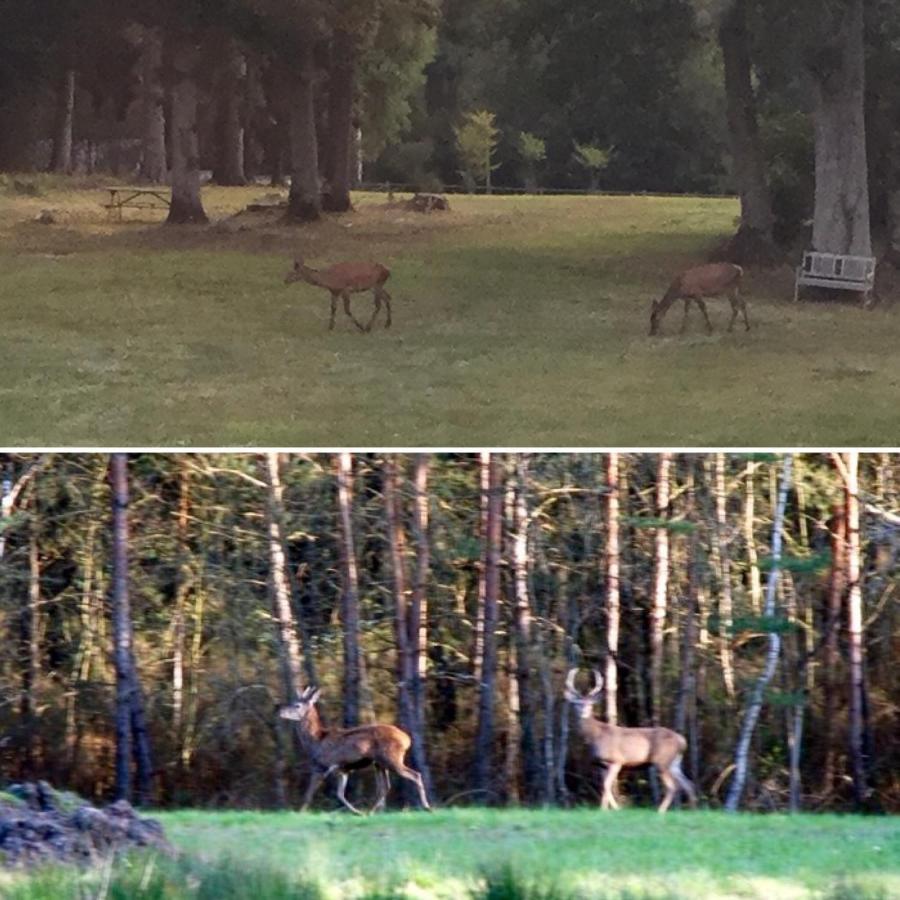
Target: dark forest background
[(160, 600), (756, 97)]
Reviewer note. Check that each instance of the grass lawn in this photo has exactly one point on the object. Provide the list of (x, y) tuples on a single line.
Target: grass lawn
[(627, 855), (518, 322)]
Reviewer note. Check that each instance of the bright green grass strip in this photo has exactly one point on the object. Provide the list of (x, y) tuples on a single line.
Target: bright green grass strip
[(518, 321), (706, 854), (505, 855)]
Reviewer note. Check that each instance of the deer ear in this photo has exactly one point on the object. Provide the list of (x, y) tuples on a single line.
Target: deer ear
[(314, 696)]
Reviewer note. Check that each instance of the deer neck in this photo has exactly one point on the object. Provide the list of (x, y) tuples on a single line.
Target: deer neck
[(311, 276), (311, 733)]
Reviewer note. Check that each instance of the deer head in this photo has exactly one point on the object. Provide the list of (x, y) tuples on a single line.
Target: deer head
[(583, 702), (298, 272), (300, 710)]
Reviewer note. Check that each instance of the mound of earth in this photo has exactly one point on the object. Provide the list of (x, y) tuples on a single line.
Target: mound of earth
[(39, 824)]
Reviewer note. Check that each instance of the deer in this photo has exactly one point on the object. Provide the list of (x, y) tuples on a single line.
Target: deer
[(342, 280), (346, 750), (617, 747), (710, 280)]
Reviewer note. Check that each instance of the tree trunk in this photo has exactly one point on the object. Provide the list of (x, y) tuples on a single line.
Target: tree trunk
[(522, 624), (723, 560), (837, 65), (660, 587), (483, 768), (754, 703), (230, 162), (304, 200), (404, 660), (478, 644), (288, 646), (152, 166), (121, 624), (753, 242), (612, 588), (855, 632), (418, 618), (187, 206), (61, 158), (29, 631), (350, 594), (836, 588), (750, 539), (341, 85)]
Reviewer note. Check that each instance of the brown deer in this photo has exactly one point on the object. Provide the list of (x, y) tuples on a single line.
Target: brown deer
[(344, 279), (619, 748), (711, 280), (344, 750)]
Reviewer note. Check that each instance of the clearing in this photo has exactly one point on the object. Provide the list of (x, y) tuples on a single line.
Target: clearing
[(518, 321)]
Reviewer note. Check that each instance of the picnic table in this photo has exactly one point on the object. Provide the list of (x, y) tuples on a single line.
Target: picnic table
[(121, 196)]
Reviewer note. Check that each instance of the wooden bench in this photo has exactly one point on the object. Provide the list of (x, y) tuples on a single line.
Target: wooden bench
[(136, 198), (836, 272)]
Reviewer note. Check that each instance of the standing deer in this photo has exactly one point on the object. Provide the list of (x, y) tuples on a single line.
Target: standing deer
[(619, 748), (711, 280), (344, 279), (344, 750)]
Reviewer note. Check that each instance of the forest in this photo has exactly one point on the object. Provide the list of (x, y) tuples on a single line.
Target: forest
[(791, 106), (158, 608)]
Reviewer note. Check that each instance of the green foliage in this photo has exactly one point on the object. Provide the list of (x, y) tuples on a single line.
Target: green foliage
[(763, 624), (476, 139), (506, 884), (594, 159), (532, 148), (674, 526), (808, 564)]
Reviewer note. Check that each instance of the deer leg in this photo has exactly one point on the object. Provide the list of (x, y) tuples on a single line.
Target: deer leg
[(345, 295), (334, 299), (668, 779), (702, 306), (374, 311), (315, 780), (343, 778), (687, 305), (734, 311), (684, 782), (744, 311), (412, 775), (609, 779), (387, 303), (383, 782)]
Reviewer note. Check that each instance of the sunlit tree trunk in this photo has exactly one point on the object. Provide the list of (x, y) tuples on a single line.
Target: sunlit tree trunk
[(612, 588), (418, 617), (722, 555), (483, 764), (754, 702), (288, 646), (523, 626), (660, 586), (350, 592), (750, 538)]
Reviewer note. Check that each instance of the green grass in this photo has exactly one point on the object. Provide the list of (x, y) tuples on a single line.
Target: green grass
[(518, 322), (520, 855)]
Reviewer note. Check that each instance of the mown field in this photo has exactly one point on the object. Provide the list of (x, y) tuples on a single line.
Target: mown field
[(518, 322), (553, 855)]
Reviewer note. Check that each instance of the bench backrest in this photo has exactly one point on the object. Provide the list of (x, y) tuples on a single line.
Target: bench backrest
[(835, 266)]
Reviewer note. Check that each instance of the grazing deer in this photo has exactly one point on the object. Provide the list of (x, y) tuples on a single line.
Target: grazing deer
[(711, 280), (344, 279), (344, 750), (619, 748)]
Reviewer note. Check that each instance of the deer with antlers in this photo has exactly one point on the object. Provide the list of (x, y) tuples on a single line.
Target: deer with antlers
[(342, 280), (711, 280), (619, 748), (345, 750)]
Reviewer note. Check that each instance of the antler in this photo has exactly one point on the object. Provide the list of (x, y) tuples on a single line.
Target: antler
[(570, 681), (598, 686)]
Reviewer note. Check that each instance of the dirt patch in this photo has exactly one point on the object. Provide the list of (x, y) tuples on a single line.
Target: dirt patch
[(40, 825)]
